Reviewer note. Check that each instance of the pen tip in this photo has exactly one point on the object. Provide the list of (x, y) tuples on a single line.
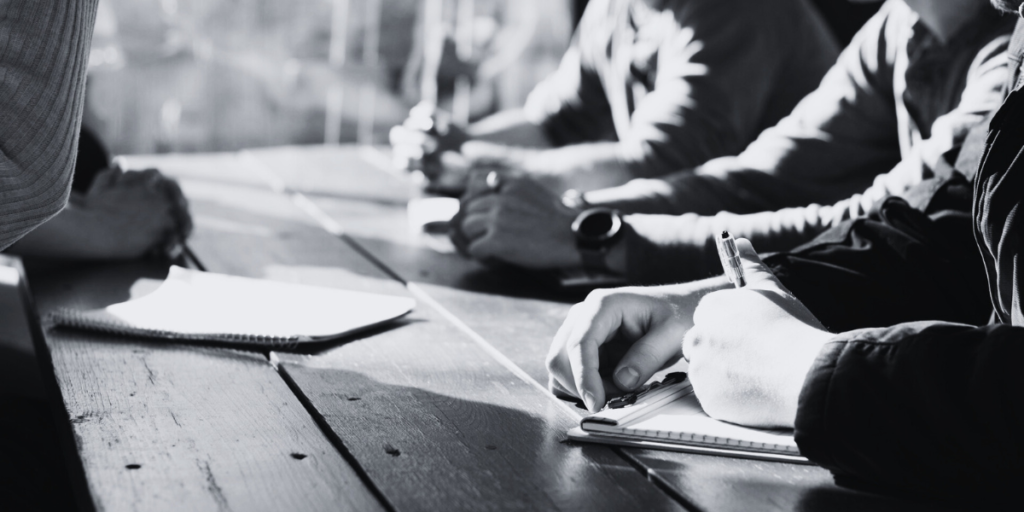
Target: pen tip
[(725, 234)]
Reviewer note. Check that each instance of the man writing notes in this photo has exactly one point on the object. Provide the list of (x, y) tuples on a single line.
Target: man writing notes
[(892, 111), (648, 87), (925, 408)]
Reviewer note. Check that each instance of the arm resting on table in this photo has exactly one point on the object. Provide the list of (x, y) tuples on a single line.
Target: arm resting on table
[(44, 48)]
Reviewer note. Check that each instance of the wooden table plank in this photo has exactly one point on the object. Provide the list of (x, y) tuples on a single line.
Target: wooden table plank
[(519, 317), (432, 419), (164, 426)]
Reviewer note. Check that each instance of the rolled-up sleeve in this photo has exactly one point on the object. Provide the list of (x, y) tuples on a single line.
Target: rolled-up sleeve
[(44, 47)]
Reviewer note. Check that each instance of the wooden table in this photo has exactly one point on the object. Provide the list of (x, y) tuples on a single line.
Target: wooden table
[(443, 410)]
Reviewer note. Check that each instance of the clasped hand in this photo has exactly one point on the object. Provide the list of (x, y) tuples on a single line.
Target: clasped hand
[(749, 349), (130, 214), (522, 223)]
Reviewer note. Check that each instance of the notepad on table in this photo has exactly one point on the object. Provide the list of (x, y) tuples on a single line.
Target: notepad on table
[(204, 306), (669, 417)]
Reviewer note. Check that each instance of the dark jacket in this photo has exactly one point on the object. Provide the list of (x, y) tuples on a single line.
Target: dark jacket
[(931, 408)]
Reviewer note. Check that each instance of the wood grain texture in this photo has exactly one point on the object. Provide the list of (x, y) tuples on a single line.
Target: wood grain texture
[(163, 426), (432, 419), (519, 314)]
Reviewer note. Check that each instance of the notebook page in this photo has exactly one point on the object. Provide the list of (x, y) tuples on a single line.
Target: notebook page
[(194, 303), (684, 420)]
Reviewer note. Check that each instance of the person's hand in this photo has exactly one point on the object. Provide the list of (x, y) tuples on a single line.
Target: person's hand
[(615, 340), (521, 223), (751, 348), (540, 164), (126, 215), (418, 143)]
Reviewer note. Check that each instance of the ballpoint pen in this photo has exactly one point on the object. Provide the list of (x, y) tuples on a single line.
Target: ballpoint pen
[(730, 259)]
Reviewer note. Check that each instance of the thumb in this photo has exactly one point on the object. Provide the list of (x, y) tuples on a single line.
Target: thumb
[(755, 271), (648, 355)]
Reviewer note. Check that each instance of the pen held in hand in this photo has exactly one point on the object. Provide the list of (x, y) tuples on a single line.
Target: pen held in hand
[(730, 257)]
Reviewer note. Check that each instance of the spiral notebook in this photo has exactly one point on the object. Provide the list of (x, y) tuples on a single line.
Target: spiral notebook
[(191, 305), (669, 417)]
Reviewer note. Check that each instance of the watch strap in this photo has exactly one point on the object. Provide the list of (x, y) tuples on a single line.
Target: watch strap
[(593, 258)]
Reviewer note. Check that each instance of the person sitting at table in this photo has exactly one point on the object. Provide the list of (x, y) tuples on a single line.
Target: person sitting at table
[(922, 407), (646, 87), (112, 215), (892, 111), (43, 59)]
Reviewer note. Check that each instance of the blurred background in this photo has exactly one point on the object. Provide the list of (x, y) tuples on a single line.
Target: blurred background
[(220, 75), (215, 75)]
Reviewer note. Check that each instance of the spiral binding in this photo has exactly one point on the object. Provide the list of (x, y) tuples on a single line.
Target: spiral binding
[(88, 320)]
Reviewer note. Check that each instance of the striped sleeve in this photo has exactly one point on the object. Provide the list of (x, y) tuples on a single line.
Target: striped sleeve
[(44, 47)]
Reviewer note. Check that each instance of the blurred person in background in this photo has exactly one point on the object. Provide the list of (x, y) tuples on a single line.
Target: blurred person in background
[(43, 61), (647, 87), (892, 112)]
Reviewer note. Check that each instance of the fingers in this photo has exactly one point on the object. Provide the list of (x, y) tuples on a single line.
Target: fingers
[(755, 271), (481, 204), (458, 238), (559, 390), (584, 360), (475, 226), (483, 248), (179, 210), (105, 179), (649, 354), (592, 327), (476, 186), (410, 145), (691, 344), (472, 222)]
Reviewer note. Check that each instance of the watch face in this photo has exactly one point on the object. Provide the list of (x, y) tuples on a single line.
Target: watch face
[(597, 225)]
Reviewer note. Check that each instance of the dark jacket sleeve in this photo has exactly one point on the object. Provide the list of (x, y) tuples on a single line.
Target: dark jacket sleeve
[(936, 409), (927, 408)]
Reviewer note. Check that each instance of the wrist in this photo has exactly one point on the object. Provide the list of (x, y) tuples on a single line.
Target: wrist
[(597, 231)]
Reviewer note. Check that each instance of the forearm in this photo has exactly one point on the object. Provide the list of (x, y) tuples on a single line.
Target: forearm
[(45, 55), (71, 234), (581, 166), (944, 395), (667, 248), (510, 127)]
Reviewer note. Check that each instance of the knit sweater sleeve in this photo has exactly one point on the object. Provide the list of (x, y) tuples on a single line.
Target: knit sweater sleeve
[(44, 48)]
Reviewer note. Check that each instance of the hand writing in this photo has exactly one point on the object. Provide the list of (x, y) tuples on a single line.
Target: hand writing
[(617, 339), (750, 348)]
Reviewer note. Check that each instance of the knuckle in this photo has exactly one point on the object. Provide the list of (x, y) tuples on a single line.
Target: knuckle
[(600, 296), (575, 310), (553, 362)]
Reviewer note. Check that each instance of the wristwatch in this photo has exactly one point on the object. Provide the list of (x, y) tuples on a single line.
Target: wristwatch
[(596, 229)]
